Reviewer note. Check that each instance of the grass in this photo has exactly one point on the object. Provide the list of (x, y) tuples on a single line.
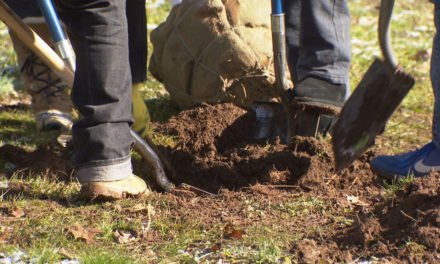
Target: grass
[(397, 185), (51, 207)]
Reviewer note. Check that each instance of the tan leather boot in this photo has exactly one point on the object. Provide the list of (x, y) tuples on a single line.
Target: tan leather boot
[(51, 102), (133, 186)]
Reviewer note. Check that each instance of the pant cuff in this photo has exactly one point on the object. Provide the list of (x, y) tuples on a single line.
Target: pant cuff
[(112, 172)]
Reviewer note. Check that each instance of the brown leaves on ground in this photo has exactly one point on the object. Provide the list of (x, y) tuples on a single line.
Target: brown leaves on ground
[(124, 237), (231, 232), (12, 212), (85, 234), (16, 212)]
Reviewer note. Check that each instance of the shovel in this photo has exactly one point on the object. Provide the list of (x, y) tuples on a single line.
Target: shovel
[(374, 100), (64, 67), (265, 111)]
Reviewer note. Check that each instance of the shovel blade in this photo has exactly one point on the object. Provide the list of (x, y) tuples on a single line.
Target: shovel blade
[(366, 112)]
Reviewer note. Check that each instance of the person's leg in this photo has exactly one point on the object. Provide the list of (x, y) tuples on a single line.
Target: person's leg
[(323, 61), (137, 39), (293, 25), (102, 94), (435, 76), (138, 50), (318, 55), (50, 96), (422, 161)]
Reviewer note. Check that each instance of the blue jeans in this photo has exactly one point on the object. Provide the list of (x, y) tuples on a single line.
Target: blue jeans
[(318, 39), (435, 75), (102, 88)]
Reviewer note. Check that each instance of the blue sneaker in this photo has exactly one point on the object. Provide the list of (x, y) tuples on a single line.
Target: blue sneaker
[(417, 163)]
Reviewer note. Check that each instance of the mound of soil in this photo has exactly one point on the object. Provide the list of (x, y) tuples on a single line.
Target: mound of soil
[(214, 151)]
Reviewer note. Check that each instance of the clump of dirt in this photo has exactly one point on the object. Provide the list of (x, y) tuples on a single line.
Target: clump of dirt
[(214, 151), (407, 226), (44, 161)]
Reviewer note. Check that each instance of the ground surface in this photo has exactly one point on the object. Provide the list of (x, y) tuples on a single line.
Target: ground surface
[(226, 181), (236, 201)]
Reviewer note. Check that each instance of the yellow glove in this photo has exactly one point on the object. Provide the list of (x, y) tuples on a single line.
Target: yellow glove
[(141, 115)]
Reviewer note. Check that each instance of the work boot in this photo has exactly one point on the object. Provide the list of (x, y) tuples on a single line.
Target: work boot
[(132, 186), (317, 103), (51, 102)]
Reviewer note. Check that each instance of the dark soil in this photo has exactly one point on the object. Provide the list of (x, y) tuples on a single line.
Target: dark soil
[(214, 151), (51, 161)]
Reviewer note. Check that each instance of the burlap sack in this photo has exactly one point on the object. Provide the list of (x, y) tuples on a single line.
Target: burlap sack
[(215, 51)]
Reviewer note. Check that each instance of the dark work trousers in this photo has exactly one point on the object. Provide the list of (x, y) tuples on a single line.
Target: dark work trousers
[(318, 39), (102, 88), (137, 39), (137, 31)]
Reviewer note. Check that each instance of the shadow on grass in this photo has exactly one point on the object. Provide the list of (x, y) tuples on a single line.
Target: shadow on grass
[(161, 109)]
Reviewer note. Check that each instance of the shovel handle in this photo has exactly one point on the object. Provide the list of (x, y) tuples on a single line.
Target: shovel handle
[(385, 14), (35, 43), (277, 7), (61, 42)]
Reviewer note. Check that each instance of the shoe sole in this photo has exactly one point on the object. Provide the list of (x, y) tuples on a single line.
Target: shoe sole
[(103, 193), (316, 107)]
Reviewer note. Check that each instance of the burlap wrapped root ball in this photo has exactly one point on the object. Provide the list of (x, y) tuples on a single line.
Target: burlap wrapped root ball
[(215, 51)]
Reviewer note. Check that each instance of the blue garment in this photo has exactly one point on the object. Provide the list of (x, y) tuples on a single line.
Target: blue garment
[(318, 39), (415, 163), (435, 76), (419, 162), (24, 8), (102, 88)]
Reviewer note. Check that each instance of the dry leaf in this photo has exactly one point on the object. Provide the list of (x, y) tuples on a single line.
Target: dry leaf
[(151, 211), (216, 247), (355, 201), (63, 252), (16, 212), (138, 208), (149, 253), (123, 237), (86, 234), (229, 231), (118, 208)]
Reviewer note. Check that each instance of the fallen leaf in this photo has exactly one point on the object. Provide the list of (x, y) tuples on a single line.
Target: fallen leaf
[(138, 208), (356, 201), (63, 252), (229, 231), (216, 247), (149, 253), (123, 237), (422, 55), (118, 208), (16, 212), (85, 234)]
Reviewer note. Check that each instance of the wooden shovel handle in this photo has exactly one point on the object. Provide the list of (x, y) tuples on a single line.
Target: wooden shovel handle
[(38, 46)]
